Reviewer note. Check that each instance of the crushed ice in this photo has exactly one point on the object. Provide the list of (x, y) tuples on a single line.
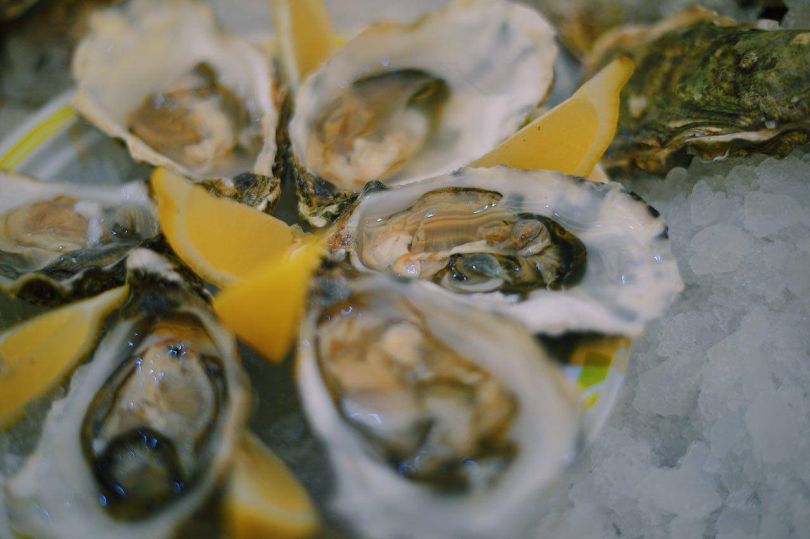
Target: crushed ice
[(712, 434)]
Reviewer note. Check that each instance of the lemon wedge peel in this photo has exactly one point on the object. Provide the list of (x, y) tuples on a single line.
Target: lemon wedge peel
[(264, 499), (573, 136), (36, 355), (306, 36), (221, 240), (264, 309)]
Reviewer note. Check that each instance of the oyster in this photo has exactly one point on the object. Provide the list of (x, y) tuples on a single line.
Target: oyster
[(556, 252), (707, 86), (400, 102), (148, 426), (61, 241), (581, 22), (441, 420), (183, 94)]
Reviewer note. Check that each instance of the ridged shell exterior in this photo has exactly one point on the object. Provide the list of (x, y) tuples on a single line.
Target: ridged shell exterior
[(706, 86)]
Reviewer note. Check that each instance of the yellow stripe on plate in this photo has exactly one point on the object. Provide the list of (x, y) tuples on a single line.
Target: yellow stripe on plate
[(29, 142), (591, 400)]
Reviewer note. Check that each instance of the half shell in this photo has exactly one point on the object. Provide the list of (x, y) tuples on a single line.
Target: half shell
[(440, 420), (399, 102), (148, 426), (556, 252), (63, 241), (181, 93)]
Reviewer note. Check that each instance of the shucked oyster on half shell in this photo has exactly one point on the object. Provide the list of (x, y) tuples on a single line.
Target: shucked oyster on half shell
[(401, 102), (440, 420), (62, 241), (148, 426), (556, 252), (705, 85), (183, 94)]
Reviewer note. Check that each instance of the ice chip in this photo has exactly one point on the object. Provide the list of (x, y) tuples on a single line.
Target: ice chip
[(708, 206), (687, 527), (777, 432), (766, 214), (786, 176), (656, 394), (718, 248), (686, 490)]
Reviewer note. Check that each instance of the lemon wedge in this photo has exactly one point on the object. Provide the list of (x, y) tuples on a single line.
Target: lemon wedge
[(305, 35), (221, 240), (36, 355), (598, 351), (571, 137), (598, 174), (265, 308), (264, 499)]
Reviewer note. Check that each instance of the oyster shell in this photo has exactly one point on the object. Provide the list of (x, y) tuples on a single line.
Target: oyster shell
[(182, 94), (556, 252), (62, 241), (581, 22), (438, 419), (707, 86), (148, 426), (11, 9), (400, 102)]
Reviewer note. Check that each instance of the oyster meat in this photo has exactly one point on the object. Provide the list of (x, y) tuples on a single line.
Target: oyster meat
[(464, 240), (705, 85), (442, 420), (556, 252), (61, 241), (183, 94), (148, 426), (400, 102)]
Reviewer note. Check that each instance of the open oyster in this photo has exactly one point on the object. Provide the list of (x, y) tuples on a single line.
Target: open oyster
[(61, 241), (556, 252), (706, 86), (406, 101), (181, 93), (148, 426), (439, 419)]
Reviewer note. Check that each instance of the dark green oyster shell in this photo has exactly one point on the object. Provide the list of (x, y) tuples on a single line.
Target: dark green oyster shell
[(81, 275), (319, 201), (580, 23), (712, 90), (11, 9), (254, 190)]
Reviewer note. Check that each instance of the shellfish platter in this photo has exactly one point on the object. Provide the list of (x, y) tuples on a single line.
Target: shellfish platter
[(368, 272)]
